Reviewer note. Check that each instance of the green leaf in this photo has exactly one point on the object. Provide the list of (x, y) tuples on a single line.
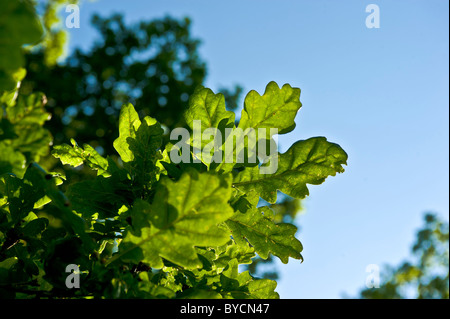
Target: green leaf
[(11, 161), (209, 108), (184, 214), (129, 123), (306, 162), (244, 286), (256, 225), (41, 185), (35, 227), (22, 194), (138, 145), (8, 263), (243, 253), (15, 78), (26, 135), (276, 108), (274, 111), (153, 290), (33, 140), (102, 195), (76, 156), (28, 110), (19, 25), (215, 259)]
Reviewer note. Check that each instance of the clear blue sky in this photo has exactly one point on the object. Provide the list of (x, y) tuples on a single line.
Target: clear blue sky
[(382, 94)]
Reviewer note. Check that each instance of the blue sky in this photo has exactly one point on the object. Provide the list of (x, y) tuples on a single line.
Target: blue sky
[(382, 94)]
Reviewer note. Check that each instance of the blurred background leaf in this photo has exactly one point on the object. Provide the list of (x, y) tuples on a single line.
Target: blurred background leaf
[(425, 274)]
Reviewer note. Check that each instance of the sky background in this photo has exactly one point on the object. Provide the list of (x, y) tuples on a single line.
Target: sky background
[(382, 94)]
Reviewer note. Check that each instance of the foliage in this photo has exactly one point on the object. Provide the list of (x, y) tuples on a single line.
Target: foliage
[(149, 58), (143, 226), (180, 230), (426, 276), (18, 26), (153, 65)]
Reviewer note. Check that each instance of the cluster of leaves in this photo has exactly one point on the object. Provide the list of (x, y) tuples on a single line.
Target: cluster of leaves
[(22, 137), (155, 65), (426, 274), (19, 26), (149, 228), (145, 227)]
